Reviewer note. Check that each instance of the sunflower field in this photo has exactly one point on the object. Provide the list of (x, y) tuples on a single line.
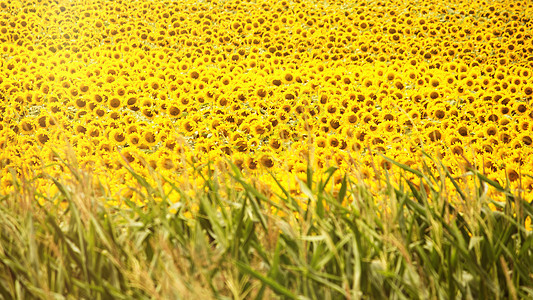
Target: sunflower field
[(176, 95)]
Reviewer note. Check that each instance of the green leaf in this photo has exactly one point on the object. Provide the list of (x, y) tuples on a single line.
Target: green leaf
[(329, 172), (342, 191), (265, 280), (475, 240), (305, 189), (405, 167)]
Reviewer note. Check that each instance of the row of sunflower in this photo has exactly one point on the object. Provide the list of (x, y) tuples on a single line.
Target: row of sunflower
[(266, 85)]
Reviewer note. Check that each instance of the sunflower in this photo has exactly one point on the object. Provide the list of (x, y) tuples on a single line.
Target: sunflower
[(266, 161), (100, 112), (435, 135), (457, 149), (173, 110), (118, 136), (512, 172), (526, 138), (288, 77), (42, 137), (80, 103), (504, 137), (251, 163), (166, 163), (463, 130), (149, 112), (27, 126), (154, 85), (520, 107), (439, 112), (258, 129), (109, 78), (321, 142), (261, 92), (491, 130), (80, 129), (241, 145), (134, 139), (114, 103), (434, 95), (527, 90), (254, 144), (189, 126), (333, 141)]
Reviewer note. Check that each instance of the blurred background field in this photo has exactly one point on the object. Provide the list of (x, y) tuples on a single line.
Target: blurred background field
[(269, 85)]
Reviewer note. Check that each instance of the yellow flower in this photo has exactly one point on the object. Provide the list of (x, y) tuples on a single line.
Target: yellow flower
[(27, 126), (149, 137), (166, 163), (266, 161), (118, 136), (42, 137), (321, 142), (134, 139), (526, 138), (512, 172), (114, 103)]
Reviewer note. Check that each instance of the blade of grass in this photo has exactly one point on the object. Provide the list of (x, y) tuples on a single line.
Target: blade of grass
[(266, 280)]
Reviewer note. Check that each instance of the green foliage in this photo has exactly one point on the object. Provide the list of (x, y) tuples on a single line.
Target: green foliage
[(231, 240)]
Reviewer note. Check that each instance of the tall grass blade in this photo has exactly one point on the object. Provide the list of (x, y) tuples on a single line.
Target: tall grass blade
[(266, 280)]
